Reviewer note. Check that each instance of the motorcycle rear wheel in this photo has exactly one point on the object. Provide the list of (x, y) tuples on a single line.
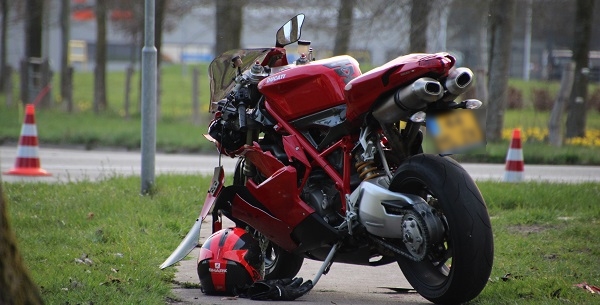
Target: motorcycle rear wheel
[(463, 269)]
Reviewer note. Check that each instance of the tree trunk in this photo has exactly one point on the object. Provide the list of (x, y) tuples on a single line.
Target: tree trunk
[(229, 25), (437, 29), (344, 27), (481, 53), (419, 20), (581, 47), (502, 16), (100, 67), (3, 37), (65, 79), (16, 287), (33, 27), (33, 48), (566, 85)]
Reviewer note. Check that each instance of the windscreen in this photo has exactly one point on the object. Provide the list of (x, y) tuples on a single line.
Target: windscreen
[(222, 73)]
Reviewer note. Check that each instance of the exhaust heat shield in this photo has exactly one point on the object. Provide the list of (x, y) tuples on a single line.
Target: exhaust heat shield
[(408, 100)]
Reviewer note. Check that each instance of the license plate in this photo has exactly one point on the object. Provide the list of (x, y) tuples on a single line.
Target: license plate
[(457, 131)]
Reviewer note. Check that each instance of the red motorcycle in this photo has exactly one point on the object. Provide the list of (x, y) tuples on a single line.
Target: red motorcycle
[(332, 165)]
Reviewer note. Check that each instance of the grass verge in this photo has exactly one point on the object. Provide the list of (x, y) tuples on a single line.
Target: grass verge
[(102, 242), (544, 242)]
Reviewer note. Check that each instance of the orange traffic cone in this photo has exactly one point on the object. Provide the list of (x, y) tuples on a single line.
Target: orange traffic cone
[(28, 161), (515, 166)]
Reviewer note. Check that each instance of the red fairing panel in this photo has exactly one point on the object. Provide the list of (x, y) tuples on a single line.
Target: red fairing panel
[(280, 196), (364, 90), (273, 228), (306, 89)]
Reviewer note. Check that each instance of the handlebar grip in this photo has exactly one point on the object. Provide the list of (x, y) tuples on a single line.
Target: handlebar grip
[(242, 116)]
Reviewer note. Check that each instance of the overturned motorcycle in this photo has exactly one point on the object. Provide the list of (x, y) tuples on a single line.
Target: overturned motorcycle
[(331, 165)]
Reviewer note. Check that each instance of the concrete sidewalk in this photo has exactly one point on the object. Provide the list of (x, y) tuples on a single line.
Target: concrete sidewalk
[(344, 284)]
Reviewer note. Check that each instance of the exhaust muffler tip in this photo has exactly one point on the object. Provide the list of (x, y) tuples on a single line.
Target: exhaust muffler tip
[(427, 89), (458, 82)]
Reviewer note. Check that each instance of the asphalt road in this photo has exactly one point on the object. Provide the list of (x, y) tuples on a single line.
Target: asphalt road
[(71, 165), (344, 284)]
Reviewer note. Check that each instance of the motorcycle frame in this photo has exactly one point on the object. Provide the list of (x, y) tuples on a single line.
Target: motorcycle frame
[(284, 209), (276, 202)]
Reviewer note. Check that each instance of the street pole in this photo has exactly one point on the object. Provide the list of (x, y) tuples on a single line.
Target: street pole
[(149, 76), (527, 42)]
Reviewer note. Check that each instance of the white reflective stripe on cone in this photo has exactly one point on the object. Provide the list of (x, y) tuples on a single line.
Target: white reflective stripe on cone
[(28, 130), (512, 176), (27, 151), (514, 155)]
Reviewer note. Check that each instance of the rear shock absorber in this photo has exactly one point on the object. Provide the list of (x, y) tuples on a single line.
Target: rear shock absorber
[(365, 164), (366, 170)]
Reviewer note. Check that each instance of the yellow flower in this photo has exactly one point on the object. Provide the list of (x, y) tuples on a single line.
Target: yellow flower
[(537, 134)]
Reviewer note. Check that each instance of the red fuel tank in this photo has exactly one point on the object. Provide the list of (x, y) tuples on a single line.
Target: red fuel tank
[(309, 88)]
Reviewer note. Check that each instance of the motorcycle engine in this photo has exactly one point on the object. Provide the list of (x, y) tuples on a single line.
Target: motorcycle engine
[(320, 193)]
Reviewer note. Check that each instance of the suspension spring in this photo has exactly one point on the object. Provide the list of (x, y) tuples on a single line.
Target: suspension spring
[(366, 170)]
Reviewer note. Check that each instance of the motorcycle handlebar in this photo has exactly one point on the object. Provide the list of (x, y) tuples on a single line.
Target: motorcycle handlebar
[(241, 97)]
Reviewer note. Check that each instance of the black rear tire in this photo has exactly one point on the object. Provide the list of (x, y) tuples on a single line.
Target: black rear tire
[(461, 269)]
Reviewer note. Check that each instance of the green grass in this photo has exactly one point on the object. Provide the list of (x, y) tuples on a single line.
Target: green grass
[(176, 131), (124, 235), (545, 239), (105, 130), (176, 86)]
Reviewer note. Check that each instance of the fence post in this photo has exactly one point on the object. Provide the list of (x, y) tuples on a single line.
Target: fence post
[(24, 81), (8, 85), (195, 96), (128, 75), (68, 89), (45, 80)]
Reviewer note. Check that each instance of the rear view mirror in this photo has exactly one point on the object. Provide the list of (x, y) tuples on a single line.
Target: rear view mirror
[(290, 32)]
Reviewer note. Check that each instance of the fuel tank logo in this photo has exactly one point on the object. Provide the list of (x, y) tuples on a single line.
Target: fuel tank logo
[(275, 78), (344, 69)]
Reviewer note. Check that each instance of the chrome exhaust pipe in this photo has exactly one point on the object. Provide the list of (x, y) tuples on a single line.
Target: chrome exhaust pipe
[(458, 82), (409, 99)]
